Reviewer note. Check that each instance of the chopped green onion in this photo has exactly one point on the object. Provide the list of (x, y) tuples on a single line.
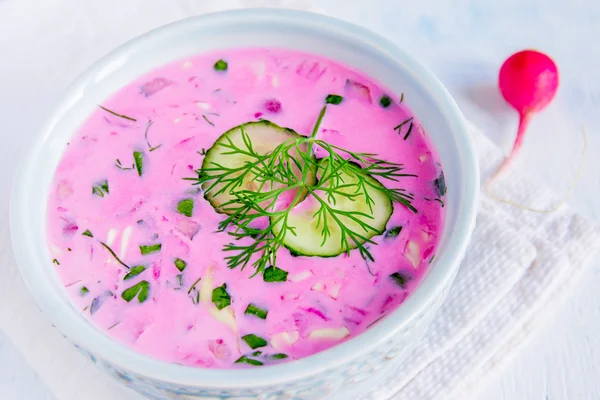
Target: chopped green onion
[(153, 248), (244, 359), (274, 274), (138, 157), (279, 356), (399, 279), (253, 310), (87, 233), (333, 99), (100, 189), (186, 207), (440, 185), (220, 65), (180, 264), (254, 341), (257, 353), (220, 297), (83, 291), (134, 271), (394, 232), (385, 101), (139, 289)]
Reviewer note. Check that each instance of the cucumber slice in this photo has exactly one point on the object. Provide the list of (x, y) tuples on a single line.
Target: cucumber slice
[(308, 240), (265, 136)]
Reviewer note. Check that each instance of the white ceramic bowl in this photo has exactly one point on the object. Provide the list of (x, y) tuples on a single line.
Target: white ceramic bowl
[(334, 371)]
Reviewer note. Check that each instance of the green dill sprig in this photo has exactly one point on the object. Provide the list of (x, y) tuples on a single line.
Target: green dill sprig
[(287, 168)]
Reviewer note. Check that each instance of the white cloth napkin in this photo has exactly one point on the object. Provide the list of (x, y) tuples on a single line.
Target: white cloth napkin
[(517, 263)]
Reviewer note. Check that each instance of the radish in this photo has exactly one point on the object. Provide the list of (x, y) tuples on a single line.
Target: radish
[(528, 81)]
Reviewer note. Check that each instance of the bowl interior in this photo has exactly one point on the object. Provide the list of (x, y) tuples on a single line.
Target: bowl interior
[(334, 39)]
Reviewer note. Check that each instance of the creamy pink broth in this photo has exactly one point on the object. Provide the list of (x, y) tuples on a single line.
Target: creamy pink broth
[(345, 294)]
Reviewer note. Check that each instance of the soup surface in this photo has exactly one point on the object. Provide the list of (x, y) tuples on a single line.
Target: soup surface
[(136, 221)]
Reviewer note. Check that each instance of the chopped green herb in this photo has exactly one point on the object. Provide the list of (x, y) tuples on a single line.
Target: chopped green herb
[(140, 221), (116, 114), (220, 297), (401, 97), (113, 325), (254, 310), (385, 101), (83, 291), (152, 148), (399, 279), (401, 124), (394, 232), (257, 353), (431, 259), (333, 99), (439, 201), (120, 166), (244, 359), (139, 289), (207, 120), (220, 65), (180, 264), (107, 247), (138, 157), (134, 271), (148, 249), (69, 249), (100, 189), (180, 279), (408, 131), (254, 341), (274, 274), (55, 261), (194, 285), (87, 233), (440, 185), (186, 207), (279, 356), (202, 152)]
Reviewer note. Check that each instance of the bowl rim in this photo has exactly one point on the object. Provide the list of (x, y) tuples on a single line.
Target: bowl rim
[(121, 356)]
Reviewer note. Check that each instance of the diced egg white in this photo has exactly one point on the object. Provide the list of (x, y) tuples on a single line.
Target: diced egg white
[(224, 316), (284, 339), (275, 81), (301, 276), (329, 333), (426, 236), (125, 241), (331, 289), (203, 105), (206, 287), (423, 157), (412, 253), (187, 65), (111, 236), (176, 120)]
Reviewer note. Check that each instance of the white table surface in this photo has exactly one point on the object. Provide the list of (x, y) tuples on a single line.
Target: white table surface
[(462, 41)]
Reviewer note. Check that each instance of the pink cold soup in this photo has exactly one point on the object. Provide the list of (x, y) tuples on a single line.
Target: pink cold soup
[(138, 239)]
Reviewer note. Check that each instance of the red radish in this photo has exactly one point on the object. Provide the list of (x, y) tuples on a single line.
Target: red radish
[(528, 81)]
